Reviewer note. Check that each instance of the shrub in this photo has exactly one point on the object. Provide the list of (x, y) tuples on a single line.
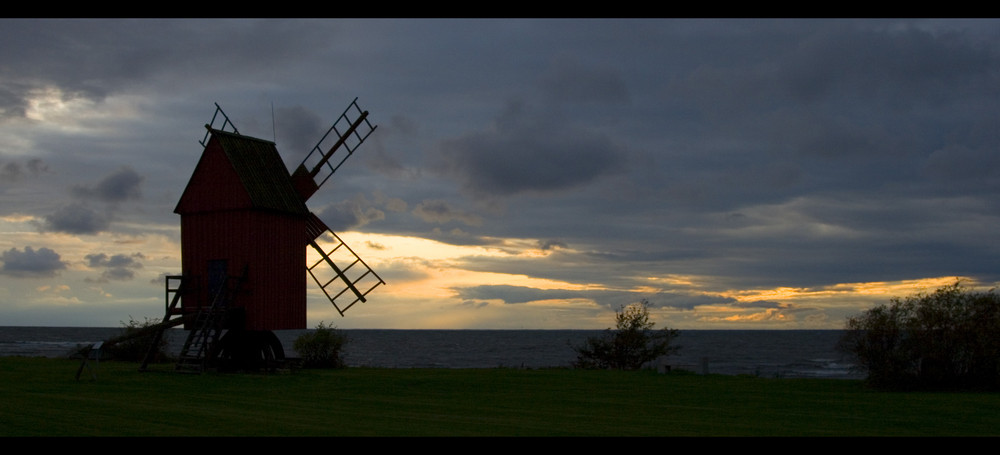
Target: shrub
[(947, 339), (633, 344), (134, 341), (321, 348)]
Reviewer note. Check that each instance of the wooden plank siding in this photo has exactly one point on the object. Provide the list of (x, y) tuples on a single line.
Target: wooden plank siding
[(268, 245)]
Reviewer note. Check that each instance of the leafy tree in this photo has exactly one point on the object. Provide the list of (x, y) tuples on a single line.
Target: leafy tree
[(631, 345), (321, 348), (947, 339)]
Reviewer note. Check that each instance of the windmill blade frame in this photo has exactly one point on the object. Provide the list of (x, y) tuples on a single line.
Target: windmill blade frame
[(335, 281), (351, 129)]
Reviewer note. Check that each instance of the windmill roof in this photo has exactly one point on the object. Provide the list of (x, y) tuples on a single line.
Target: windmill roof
[(258, 168)]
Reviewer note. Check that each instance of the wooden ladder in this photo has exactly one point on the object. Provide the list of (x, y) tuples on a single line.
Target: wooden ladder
[(200, 347)]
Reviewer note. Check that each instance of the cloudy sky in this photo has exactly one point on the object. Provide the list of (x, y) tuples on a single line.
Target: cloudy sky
[(523, 173)]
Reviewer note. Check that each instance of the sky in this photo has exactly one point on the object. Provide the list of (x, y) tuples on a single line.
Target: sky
[(524, 173)]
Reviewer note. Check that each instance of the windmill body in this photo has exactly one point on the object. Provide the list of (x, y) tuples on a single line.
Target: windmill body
[(239, 213), (247, 238)]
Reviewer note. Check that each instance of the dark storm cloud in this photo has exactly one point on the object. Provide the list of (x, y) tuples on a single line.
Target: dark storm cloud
[(960, 169), (77, 219), (547, 245), (525, 152), (901, 67), (43, 61), (37, 166), (80, 218), (862, 152), (856, 104), (349, 214), (13, 171), (118, 267), (441, 212), (94, 58), (13, 99), (31, 263), (516, 294), (121, 185), (392, 162), (611, 299), (458, 236), (569, 81), (298, 131), (115, 261)]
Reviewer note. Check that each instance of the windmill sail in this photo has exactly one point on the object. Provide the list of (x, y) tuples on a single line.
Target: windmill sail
[(341, 274), (211, 125), (350, 130)]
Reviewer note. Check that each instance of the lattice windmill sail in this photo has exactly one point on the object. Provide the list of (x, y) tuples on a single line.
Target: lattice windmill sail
[(355, 279), (348, 284), (245, 237), (349, 131)]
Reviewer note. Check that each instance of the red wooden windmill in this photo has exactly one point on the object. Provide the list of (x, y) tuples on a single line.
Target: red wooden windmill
[(245, 232)]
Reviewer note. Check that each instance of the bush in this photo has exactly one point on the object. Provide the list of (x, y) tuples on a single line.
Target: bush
[(633, 344), (944, 340), (134, 341), (321, 348)]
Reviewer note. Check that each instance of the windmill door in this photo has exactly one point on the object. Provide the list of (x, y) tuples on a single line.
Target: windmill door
[(218, 270)]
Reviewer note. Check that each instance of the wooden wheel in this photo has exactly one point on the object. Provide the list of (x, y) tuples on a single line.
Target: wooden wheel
[(250, 350)]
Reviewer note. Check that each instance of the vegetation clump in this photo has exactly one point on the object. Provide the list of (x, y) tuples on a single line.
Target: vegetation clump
[(135, 340), (633, 343), (321, 348), (949, 339)]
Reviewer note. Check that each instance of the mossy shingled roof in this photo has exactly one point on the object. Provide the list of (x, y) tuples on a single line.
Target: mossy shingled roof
[(261, 172)]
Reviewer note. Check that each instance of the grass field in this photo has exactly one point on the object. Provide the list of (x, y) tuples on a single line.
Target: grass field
[(41, 397)]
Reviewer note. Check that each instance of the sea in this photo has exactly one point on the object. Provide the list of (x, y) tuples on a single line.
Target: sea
[(762, 353)]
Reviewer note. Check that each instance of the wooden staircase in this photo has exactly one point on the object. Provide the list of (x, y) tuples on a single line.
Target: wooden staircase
[(201, 346)]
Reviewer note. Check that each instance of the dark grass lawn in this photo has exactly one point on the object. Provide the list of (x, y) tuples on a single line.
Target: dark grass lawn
[(41, 397)]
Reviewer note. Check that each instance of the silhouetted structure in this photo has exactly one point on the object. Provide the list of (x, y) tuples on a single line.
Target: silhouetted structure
[(245, 232)]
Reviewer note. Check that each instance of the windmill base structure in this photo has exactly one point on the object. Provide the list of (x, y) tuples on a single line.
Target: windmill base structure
[(246, 235)]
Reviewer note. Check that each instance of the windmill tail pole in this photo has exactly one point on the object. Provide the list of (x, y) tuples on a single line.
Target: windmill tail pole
[(343, 138), (141, 332), (86, 352)]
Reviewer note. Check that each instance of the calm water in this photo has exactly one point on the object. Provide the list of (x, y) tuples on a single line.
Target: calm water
[(770, 353)]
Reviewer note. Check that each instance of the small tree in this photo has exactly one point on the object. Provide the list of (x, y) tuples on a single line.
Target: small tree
[(321, 348), (947, 339), (631, 345)]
